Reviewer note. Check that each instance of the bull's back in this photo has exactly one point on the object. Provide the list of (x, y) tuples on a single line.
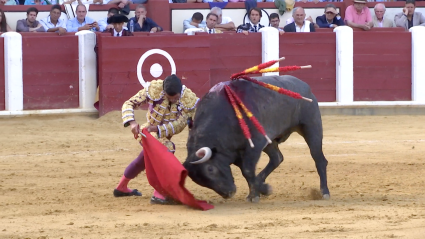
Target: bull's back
[(278, 113)]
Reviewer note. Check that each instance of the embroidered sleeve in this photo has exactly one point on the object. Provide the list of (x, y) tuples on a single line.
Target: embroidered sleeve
[(175, 127), (129, 105)]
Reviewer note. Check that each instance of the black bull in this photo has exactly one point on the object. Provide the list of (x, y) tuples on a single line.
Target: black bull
[(217, 128)]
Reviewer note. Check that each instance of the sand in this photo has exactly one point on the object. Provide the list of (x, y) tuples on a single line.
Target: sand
[(57, 174)]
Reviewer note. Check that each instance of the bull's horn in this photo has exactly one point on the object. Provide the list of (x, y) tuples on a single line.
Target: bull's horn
[(203, 151)]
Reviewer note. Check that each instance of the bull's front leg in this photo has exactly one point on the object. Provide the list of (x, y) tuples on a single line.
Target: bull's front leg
[(248, 165)]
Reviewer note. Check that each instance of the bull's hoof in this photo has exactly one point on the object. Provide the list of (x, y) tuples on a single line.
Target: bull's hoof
[(255, 199), (266, 189), (326, 197)]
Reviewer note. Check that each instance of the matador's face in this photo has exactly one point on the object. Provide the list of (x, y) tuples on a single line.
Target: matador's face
[(173, 99)]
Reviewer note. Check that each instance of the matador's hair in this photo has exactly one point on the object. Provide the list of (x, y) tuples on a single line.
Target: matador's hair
[(172, 85)]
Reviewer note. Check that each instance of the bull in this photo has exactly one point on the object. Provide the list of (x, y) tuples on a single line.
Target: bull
[(216, 140)]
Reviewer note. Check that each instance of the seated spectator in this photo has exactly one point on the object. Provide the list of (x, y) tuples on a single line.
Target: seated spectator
[(358, 15), (30, 24), (35, 2), (143, 23), (255, 15), (220, 1), (275, 22), (194, 22), (117, 21), (4, 27), (291, 20), (379, 20), (223, 23), (330, 19), (409, 18), (8, 2), (299, 24), (53, 23), (211, 23), (81, 22), (121, 3), (103, 23)]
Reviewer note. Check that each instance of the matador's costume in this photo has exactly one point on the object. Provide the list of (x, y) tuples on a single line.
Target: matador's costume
[(170, 118)]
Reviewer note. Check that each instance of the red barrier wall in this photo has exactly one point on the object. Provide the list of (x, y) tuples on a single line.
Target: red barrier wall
[(2, 86), (316, 49), (382, 70), (233, 53), (118, 59), (50, 71)]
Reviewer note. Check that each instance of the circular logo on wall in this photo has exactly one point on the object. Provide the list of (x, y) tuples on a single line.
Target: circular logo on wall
[(156, 69)]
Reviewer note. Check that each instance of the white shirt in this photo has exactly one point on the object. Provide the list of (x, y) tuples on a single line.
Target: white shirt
[(115, 33), (47, 24), (208, 30), (225, 20)]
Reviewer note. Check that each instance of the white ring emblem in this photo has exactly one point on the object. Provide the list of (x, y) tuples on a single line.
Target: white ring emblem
[(146, 55)]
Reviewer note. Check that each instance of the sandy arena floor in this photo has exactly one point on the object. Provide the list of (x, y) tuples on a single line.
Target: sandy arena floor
[(57, 174)]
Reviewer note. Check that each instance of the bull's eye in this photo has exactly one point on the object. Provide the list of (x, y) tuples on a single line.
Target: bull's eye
[(210, 169)]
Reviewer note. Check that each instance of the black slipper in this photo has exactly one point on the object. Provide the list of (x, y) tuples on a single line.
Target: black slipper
[(118, 193)]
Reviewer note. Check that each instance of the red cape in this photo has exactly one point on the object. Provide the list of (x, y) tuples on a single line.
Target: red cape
[(166, 174)]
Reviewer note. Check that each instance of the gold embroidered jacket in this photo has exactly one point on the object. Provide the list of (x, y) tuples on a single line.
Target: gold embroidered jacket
[(170, 119)]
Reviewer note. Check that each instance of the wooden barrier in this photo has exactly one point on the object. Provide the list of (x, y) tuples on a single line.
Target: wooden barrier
[(119, 58), (318, 50), (382, 71), (232, 53), (50, 71), (2, 76)]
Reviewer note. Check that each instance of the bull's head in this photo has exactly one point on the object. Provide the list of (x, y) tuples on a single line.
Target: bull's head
[(210, 169)]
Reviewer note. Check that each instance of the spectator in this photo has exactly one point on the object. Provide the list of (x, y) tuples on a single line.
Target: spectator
[(103, 23), (330, 19), (117, 21), (379, 20), (212, 19), (194, 22), (275, 22), (223, 23), (143, 23), (358, 15), (291, 20), (53, 23), (299, 24), (4, 27), (409, 18), (255, 15), (121, 3), (219, 1), (35, 2), (8, 2), (81, 22), (30, 24)]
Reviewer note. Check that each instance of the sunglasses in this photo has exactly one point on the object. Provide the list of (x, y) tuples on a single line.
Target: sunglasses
[(330, 13)]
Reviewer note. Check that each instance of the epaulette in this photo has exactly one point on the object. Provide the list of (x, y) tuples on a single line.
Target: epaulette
[(154, 90), (188, 99)]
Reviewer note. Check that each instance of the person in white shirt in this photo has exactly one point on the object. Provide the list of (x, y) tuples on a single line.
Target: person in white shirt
[(103, 23), (211, 23), (223, 23), (195, 22), (53, 23)]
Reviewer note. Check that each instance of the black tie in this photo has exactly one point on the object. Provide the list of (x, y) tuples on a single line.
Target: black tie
[(118, 34), (255, 28), (209, 31)]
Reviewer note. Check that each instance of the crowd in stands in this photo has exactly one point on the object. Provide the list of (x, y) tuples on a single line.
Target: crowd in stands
[(356, 16)]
